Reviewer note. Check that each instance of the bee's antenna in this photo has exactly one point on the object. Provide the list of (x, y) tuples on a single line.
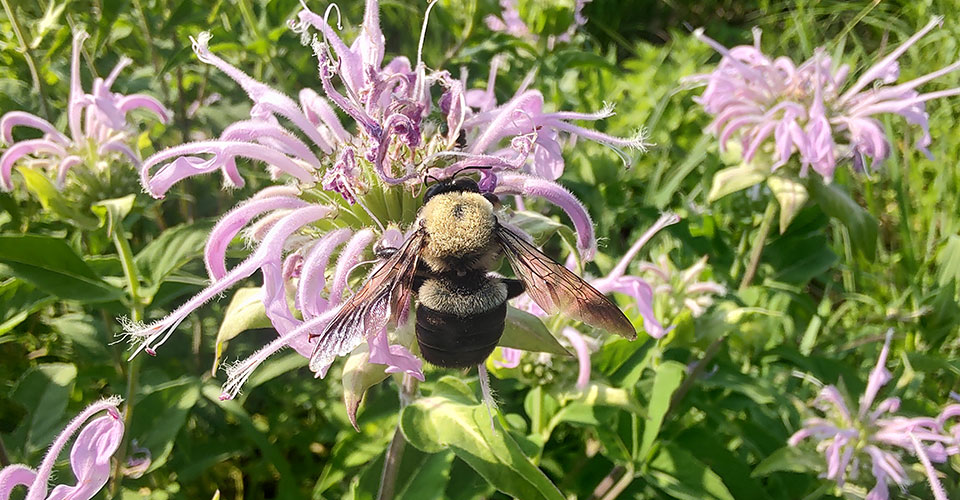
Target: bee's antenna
[(472, 167)]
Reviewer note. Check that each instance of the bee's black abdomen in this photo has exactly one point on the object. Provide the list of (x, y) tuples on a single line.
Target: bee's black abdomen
[(452, 341)]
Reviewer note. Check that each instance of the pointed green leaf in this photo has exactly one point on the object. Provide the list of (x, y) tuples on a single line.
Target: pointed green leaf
[(681, 475), (52, 199), (665, 382), (111, 212), (18, 300), (359, 374), (733, 179), (525, 331), (50, 264), (789, 459), (43, 391), (439, 423), (791, 195), (170, 251), (245, 312)]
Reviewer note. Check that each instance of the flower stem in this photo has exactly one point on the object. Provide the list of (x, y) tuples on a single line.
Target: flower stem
[(757, 248), (391, 463), (133, 368), (37, 83), (4, 458)]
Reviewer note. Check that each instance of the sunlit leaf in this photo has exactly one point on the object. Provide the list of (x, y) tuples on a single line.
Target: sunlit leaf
[(434, 424)]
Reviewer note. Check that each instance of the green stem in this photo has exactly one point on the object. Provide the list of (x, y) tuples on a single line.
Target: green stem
[(34, 74), (130, 273), (4, 458), (391, 463), (133, 368), (757, 248)]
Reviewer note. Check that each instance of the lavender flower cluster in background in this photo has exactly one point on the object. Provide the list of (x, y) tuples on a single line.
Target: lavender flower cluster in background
[(97, 123), (779, 109)]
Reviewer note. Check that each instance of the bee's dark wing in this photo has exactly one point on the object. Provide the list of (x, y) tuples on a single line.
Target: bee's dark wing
[(384, 297), (557, 290)]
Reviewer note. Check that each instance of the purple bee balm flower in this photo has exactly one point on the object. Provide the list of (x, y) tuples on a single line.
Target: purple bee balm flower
[(89, 459), (773, 106), (634, 286), (353, 187), (874, 435), (97, 127), (681, 289)]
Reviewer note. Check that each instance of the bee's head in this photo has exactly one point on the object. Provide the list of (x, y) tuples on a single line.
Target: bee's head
[(455, 184), (452, 185)]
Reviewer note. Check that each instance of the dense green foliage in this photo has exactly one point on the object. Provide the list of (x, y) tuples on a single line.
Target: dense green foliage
[(826, 290)]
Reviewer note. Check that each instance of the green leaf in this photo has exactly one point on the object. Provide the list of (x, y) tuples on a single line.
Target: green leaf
[(681, 475), (159, 415), (836, 203), (52, 199), (245, 312), (111, 212), (18, 300), (791, 195), (598, 394), (948, 261), (43, 391), (437, 423), (526, 331), (430, 478), (170, 251), (733, 179), (665, 382), (623, 361), (49, 264)]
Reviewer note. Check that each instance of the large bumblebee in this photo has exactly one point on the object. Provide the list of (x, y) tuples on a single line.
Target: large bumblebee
[(446, 260)]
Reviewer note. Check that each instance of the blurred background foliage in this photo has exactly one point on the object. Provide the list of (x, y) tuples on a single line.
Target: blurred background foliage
[(819, 305)]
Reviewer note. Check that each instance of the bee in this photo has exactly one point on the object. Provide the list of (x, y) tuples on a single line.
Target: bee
[(447, 261)]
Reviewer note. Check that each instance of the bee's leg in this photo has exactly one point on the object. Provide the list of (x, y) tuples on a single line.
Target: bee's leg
[(514, 287), (487, 393), (384, 253)]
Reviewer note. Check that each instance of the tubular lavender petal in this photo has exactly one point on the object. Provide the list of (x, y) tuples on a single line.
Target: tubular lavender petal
[(23, 119), (223, 153), (349, 258), (21, 149), (154, 335), (310, 301), (232, 222), (524, 185), (38, 490)]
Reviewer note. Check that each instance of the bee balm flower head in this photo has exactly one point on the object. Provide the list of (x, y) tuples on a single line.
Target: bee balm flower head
[(811, 111)]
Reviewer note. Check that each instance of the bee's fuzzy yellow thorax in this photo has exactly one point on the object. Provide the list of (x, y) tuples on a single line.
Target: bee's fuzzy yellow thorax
[(458, 224)]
